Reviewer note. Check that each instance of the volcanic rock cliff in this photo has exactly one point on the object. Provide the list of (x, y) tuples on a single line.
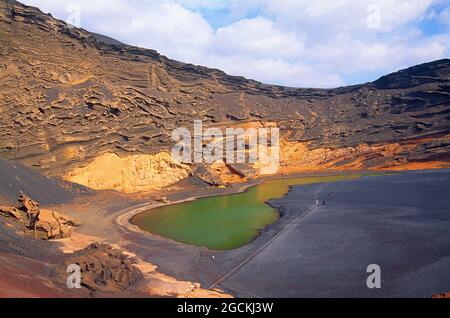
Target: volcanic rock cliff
[(72, 103)]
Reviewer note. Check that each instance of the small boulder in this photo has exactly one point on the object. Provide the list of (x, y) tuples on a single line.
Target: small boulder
[(11, 212), (208, 176), (52, 225)]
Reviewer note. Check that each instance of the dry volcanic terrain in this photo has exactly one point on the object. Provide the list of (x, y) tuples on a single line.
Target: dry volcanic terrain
[(85, 135)]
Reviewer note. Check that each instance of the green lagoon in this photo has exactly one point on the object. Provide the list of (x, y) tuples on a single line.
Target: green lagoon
[(223, 222)]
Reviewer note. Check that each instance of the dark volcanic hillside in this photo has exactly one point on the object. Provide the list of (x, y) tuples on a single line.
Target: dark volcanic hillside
[(70, 100), (16, 178)]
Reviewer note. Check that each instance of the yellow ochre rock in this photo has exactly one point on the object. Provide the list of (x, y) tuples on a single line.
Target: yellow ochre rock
[(129, 174)]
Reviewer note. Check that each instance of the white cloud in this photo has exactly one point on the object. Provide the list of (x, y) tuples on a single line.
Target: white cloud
[(174, 30), (346, 15), (445, 16), (276, 71), (353, 56), (204, 4), (258, 37), (291, 42)]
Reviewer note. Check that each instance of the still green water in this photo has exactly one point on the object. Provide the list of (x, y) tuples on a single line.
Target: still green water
[(223, 222)]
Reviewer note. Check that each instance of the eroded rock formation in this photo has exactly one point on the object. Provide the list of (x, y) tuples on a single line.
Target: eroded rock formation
[(41, 223), (8, 211), (74, 100), (103, 269)]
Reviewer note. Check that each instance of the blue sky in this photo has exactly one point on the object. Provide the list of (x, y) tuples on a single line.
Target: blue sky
[(303, 43)]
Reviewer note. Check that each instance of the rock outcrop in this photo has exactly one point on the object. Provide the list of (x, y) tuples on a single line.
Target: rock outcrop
[(8, 211), (103, 269), (43, 224), (207, 175), (75, 99), (131, 173), (445, 295)]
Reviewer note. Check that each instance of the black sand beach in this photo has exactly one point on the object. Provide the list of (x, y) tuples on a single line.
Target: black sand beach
[(401, 223)]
